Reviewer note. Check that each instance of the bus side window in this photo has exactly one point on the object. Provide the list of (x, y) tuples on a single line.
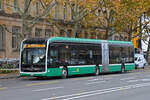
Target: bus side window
[(52, 59), (64, 54)]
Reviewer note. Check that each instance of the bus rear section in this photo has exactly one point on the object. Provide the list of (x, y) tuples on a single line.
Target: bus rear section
[(33, 57)]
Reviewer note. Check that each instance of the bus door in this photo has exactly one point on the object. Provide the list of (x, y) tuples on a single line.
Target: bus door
[(105, 56)]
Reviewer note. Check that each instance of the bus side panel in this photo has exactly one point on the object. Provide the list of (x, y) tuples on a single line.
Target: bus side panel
[(100, 68), (50, 72), (76, 70), (32, 74), (114, 67), (54, 72), (129, 67), (24, 74)]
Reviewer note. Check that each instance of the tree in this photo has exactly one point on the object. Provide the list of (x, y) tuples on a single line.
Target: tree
[(132, 18), (102, 17), (80, 9), (29, 21)]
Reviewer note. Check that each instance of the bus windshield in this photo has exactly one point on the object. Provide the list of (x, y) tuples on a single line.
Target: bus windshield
[(34, 56)]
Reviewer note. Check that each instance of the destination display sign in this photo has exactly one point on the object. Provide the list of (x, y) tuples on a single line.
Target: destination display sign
[(34, 46)]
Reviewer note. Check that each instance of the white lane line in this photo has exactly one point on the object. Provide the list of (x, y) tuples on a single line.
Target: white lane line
[(129, 78), (97, 79), (144, 80), (111, 90), (77, 94), (45, 89), (130, 81), (95, 82), (96, 92)]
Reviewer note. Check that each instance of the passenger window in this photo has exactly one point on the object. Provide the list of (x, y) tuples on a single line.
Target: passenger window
[(52, 59), (64, 54)]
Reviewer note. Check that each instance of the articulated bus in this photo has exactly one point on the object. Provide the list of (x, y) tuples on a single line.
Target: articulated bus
[(62, 56)]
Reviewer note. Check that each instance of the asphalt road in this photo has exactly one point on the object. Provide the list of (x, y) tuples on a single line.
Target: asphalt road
[(127, 86)]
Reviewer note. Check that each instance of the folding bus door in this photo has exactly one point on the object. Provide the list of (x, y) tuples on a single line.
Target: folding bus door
[(105, 56)]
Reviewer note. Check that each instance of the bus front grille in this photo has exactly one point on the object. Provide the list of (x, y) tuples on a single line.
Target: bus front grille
[(32, 68)]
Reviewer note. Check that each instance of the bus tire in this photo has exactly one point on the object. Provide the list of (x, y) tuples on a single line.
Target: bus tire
[(97, 71), (64, 73), (122, 69)]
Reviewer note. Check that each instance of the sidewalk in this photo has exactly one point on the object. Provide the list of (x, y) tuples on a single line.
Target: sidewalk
[(9, 75)]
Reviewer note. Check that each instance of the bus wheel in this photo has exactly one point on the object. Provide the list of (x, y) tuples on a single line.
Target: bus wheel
[(122, 69), (97, 71), (64, 73)]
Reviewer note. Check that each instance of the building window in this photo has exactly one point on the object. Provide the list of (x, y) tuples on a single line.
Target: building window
[(15, 37), (2, 38), (48, 33), (38, 32), (37, 8), (15, 5)]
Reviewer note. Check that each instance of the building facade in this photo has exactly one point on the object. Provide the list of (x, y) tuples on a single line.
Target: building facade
[(11, 25)]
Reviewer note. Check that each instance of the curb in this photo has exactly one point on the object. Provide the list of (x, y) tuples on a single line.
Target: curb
[(9, 77)]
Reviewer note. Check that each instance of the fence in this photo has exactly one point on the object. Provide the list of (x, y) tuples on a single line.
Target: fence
[(9, 64)]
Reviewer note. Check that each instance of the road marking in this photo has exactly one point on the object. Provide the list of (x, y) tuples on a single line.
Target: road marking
[(97, 79), (109, 91), (86, 78), (3, 88), (97, 92), (145, 80), (129, 78), (130, 81), (54, 88), (42, 83), (95, 82), (112, 76)]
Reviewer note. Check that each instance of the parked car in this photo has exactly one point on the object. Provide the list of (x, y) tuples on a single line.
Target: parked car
[(140, 61)]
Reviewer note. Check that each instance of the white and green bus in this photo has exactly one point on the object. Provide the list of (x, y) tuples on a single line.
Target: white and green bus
[(62, 56)]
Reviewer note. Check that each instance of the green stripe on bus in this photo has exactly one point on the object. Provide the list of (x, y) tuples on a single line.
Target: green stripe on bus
[(54, 72), (129, 66), (81, 70), (74, 40), (115, 67)]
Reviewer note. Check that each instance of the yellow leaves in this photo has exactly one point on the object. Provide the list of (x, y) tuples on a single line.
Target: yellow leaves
[(9, 8), (8, 1)]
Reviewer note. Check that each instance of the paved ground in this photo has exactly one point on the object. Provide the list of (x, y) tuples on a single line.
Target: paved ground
[(9, 75), (128, 86)]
